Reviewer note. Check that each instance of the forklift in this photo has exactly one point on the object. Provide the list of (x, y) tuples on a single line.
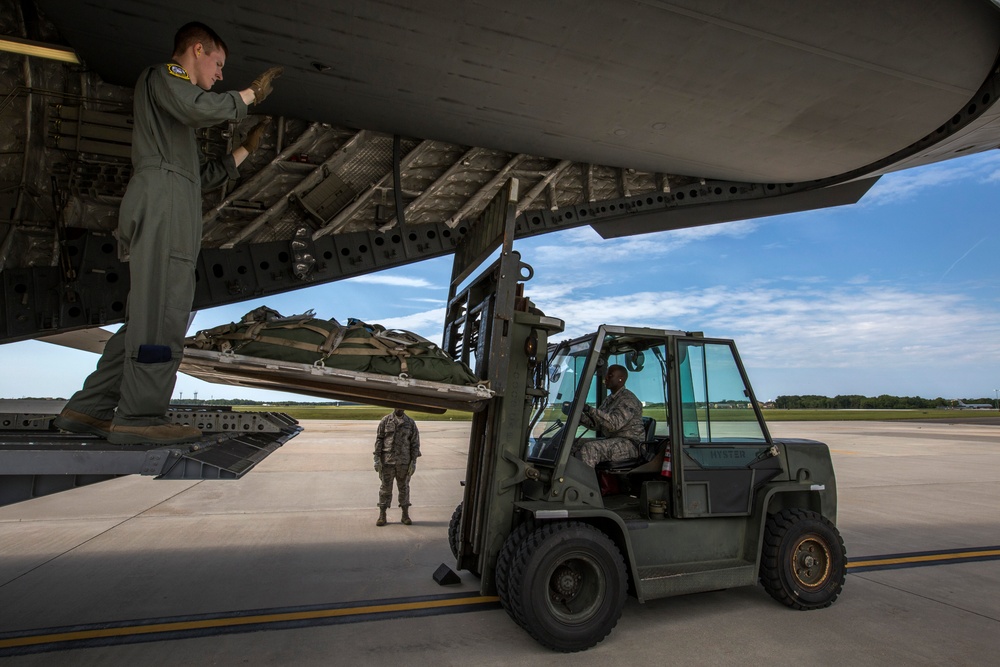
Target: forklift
[(711, 502)]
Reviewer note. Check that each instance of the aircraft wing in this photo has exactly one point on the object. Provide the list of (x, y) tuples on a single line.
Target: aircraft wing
[(87, 340)]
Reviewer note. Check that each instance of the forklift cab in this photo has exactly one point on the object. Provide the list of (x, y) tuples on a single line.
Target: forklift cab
[(704, 428)]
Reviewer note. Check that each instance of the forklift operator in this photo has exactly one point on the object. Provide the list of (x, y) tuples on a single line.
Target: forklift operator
[(618, 422)]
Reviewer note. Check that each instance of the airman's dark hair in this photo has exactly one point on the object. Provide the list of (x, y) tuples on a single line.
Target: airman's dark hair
[(619, 369), (195, 32)]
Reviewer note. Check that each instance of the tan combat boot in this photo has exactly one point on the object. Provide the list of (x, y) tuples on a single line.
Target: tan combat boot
[(157, 434), (78, 422), (405, 520), (381, 517)]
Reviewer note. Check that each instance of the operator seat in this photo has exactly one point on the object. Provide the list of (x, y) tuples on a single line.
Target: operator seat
[(647, 451)]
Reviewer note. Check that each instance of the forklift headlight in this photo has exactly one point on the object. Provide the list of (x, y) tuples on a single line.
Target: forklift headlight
[(531, 349)]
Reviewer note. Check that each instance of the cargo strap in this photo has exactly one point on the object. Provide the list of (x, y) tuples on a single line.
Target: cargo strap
[(380, 344)]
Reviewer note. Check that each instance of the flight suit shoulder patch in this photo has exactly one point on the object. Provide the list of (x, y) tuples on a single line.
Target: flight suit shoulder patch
[(178, 71)]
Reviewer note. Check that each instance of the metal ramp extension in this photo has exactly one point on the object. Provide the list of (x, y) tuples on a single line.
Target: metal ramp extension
[(37, 460)]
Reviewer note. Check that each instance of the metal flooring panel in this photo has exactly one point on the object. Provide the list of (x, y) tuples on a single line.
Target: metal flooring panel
[(37, 460)]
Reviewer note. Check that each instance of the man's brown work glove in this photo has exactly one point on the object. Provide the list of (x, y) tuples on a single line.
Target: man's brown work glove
[(261, 86), (252, 142)]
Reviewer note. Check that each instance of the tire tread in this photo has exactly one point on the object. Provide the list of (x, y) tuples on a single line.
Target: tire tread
[(777, 528), (532, 542), (454, 525), (504, 560)]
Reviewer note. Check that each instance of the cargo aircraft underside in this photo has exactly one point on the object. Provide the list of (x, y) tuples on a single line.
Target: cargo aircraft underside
[(395, 124)]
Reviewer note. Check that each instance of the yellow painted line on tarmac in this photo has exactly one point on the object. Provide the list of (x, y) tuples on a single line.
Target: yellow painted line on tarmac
[(233, 621), (396, 607), (927, 558)]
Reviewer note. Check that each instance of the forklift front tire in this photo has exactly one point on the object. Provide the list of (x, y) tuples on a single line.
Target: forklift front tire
[(567, 585), (506, 558)]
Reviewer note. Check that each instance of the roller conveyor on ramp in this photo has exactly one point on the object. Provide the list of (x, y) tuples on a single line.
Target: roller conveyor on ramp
[(37, 460)]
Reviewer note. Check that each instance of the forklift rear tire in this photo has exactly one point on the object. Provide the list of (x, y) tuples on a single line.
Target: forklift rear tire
[(567, 585), (453, 528), (504, 560), (803, 562)]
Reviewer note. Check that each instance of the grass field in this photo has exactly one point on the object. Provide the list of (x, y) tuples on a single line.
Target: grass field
[(350, 412), (874, 415), (366, 412)]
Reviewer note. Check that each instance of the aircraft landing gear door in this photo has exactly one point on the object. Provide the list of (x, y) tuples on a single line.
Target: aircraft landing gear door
[(725, 448)]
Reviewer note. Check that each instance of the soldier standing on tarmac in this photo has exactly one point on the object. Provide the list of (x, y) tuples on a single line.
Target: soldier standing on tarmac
[(160, 223), (397, 446)]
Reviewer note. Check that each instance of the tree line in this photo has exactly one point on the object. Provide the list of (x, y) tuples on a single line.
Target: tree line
[(245, 401), (857, 402)]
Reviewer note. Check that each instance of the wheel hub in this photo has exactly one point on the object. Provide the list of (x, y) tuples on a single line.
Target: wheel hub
[(575, 588), (811, 562), (565, 583)]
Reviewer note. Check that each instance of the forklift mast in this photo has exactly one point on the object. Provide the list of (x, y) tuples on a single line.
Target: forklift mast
[(494, 329)]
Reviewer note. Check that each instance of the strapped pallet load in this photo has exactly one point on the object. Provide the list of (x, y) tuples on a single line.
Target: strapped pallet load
[(356, 346)]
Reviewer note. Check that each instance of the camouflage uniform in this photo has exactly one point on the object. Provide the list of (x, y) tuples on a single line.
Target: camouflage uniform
[(619, 420), (397, 446), (160, 224)]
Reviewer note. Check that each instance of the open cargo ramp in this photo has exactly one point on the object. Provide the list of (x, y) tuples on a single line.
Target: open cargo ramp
[(37, 460)]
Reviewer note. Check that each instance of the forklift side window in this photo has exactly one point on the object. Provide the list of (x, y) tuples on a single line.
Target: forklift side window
[(715, 403), (647, 379)]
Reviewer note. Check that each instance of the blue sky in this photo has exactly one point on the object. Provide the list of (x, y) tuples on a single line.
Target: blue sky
[(899, 294)]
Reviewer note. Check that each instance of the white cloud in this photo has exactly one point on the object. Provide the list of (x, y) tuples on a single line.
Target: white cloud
[(585, 247), (429, 323), (860, 327), (902, 185), (874, 330), (394, 281)]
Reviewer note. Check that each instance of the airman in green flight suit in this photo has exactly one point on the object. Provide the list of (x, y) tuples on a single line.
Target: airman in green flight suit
[(160, 224)]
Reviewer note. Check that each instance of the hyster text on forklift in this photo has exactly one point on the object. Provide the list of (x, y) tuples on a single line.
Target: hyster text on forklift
[(712, 502)]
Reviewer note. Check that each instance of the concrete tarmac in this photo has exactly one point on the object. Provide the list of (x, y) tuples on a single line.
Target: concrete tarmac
[(295, 541)]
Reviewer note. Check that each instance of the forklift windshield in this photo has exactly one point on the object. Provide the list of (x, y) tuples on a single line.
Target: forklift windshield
[(644, 357), (565, 371)]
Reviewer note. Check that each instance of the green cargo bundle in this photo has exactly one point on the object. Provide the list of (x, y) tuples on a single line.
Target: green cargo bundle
[(356, 346)]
